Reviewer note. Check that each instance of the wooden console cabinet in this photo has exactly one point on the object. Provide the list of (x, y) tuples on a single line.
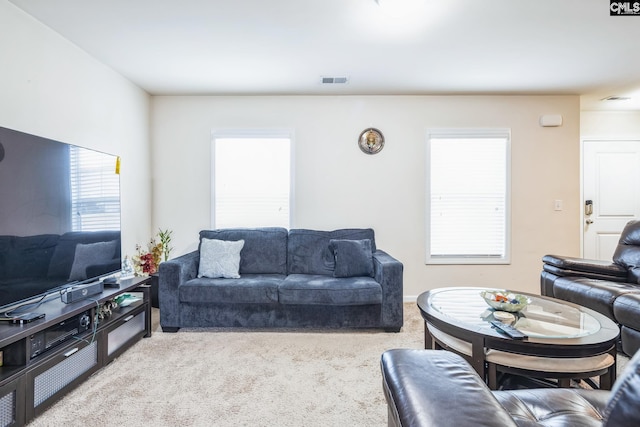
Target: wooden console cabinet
[(29, 385)]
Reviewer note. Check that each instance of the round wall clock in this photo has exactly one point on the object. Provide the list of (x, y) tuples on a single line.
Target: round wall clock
[(371, 141)]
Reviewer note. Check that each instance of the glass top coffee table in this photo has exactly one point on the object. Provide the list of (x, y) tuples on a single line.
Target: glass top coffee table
[(565, 340)]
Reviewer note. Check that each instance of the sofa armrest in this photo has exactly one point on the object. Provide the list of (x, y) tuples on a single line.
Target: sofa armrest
[(588, 268), (437, 388), (172, 274), (388, 273)]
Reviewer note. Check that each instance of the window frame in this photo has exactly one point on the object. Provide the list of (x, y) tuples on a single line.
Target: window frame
[(252, 133), (480, 133)]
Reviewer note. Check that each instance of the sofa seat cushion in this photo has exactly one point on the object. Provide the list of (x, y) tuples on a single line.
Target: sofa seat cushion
[(19, 289), (250, 288), (626, 309), (326, 290), (554, 407), (597, 295)]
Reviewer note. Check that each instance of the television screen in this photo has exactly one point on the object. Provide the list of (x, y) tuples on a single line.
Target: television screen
[(59, 217)]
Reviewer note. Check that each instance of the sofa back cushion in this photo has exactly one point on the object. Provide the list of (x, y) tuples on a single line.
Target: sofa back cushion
[(309, 251), (627, 252), (26, 257), (264, 250), (622, 409)]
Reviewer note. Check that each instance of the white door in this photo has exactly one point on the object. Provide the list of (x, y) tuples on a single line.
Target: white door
[(611, 185)]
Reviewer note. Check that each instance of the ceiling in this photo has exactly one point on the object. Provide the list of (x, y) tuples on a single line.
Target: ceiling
[(400, 47)]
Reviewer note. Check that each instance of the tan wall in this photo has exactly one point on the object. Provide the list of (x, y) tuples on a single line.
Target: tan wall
[(336, 185)]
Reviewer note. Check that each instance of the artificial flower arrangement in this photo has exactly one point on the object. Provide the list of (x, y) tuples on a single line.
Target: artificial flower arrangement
[(146, 261)]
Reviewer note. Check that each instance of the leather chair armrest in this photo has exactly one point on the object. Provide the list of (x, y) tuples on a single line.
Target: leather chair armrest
[(437, 388), (589, 268)]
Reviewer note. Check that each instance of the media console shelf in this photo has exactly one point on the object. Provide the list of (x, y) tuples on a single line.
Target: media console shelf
[(34, 375)]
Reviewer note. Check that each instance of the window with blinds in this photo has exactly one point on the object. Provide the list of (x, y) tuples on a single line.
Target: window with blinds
[(468, 186), (251, 180), (95, 190)]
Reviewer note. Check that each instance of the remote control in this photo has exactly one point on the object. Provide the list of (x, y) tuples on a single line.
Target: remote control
[(509, 330)]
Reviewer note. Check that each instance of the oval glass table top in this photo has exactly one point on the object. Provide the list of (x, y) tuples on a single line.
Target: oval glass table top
[(542, 317)]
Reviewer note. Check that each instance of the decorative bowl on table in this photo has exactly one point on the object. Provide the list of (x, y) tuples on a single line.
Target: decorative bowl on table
[(505, 300)]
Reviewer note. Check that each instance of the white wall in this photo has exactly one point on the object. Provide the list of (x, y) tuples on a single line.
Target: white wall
[(51, 88), (336, 185), (610, 124)]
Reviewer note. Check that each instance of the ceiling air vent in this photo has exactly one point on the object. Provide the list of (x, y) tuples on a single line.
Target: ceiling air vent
[(616, 98), (334, 80)]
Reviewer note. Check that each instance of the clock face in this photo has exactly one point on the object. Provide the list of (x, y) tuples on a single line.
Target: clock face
[(371, 141)]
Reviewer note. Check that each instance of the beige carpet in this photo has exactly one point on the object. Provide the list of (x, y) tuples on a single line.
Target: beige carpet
[(234, 378), (241, 378)]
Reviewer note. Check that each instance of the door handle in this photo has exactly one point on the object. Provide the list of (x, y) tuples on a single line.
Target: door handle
[(589, 221)]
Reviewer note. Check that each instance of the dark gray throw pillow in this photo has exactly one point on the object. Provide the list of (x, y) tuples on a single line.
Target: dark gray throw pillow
[(353, 257), (91, 254)]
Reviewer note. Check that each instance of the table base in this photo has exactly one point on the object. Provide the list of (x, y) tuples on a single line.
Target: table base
[(489, 362)]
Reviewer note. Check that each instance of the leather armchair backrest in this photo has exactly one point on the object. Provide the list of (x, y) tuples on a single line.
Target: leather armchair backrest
[(627, 252), (622, 409)]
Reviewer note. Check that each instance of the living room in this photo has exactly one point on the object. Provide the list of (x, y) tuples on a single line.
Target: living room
[(51, 87)]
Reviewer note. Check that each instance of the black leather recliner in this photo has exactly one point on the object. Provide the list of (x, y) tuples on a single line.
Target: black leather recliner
[(439, 388), (610, 288)]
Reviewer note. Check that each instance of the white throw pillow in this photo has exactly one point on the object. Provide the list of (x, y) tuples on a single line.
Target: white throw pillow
[(220, 258)]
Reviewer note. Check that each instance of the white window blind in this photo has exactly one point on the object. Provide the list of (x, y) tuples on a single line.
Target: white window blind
[(251, 181), (468, 197), (95, 191)]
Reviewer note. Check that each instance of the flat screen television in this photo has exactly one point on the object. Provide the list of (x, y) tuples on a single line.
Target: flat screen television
[(59, 218)]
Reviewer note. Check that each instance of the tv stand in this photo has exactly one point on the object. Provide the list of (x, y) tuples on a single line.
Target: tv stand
[(44, 359)]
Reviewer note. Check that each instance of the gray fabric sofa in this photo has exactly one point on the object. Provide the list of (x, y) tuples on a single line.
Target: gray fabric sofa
[(287, 280)]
